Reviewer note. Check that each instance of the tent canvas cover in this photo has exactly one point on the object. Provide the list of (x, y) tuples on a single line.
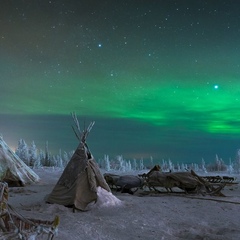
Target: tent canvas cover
[(77, 186), (12, 169)]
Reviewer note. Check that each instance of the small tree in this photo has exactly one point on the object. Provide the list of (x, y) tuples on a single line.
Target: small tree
[(141, 165), (33, 154), (66, 158), (22, 151), (134, 167), (107, 163), (236, 165), (41, 157), (47, 159), (203, 166)]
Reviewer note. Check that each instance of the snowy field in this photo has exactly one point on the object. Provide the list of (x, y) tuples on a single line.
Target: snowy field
[(139, 216)]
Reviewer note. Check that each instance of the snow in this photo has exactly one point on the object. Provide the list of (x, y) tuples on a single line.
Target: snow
[(106, 199), (123, 216)]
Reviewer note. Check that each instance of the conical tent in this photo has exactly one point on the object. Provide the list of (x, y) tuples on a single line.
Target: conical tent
[(12, 169), (77, 186)]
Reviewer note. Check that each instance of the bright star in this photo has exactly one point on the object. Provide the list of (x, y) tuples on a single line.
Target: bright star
[(216, 86)]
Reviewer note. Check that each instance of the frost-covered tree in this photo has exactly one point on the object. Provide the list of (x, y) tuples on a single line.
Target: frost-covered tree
[(128, 166), (66, 158), (196, 167), (178, 167), (183, 167), (32, 154), (164, 165), (70, 154), (47, 158), (59, 159), (170, 165), (151, 162), (53, 162), (134, 166), (230, 167), (141, 165), (22, 151), (236, 164), (107, 166), (204, 166), (218, 163), (41, 156), (122, 166)]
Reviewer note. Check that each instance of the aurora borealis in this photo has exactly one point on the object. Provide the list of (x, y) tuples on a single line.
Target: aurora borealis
[(160, 78)]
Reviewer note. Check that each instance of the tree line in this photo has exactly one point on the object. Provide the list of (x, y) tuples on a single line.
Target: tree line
[(34, 157)]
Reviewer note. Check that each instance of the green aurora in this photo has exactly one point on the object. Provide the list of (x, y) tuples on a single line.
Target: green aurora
[(202, 106)]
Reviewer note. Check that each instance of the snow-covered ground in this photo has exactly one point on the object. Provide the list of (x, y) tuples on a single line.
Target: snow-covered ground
[(123, 216)]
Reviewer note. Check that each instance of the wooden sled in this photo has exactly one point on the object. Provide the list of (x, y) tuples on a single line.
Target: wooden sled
[(15, 226), (220, 179)]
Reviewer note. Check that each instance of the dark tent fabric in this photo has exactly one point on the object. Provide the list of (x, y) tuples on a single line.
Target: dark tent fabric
[(78, 183)]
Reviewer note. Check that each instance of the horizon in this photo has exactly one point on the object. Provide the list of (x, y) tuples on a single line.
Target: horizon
[(146, 160), (194, 153)]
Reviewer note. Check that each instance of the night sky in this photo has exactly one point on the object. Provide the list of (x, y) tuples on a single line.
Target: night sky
[(160, 78)]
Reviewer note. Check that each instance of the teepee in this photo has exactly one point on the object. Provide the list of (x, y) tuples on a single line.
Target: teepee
[(12, 169), (78, 184)]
